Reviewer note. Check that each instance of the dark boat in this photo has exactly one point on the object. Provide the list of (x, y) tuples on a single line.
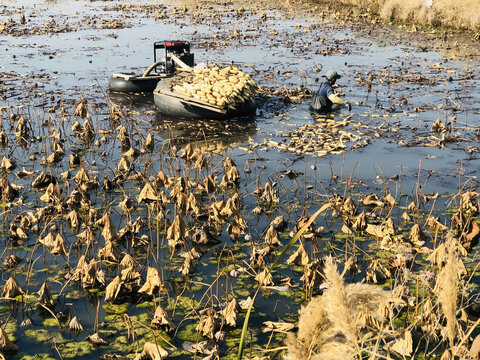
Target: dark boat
[(164, 68), (175, 105)]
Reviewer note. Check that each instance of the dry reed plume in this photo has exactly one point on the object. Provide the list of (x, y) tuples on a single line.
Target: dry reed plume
[(330, 325), (448, 13), (447, 291)]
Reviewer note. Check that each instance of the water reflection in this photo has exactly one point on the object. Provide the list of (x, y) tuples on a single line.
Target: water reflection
[(121, 98), (208, 135)]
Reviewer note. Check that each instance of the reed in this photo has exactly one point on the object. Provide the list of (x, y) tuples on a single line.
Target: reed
[(447, 292), (445, 13)]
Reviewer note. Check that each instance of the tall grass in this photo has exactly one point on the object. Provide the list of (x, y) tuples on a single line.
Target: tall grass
[(446, 13)]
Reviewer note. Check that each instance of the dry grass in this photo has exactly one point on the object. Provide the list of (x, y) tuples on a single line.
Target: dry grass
[(330, 326), (447, 290), (448, 13)]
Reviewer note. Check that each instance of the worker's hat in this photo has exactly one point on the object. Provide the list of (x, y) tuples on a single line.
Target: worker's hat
[(332, 75)]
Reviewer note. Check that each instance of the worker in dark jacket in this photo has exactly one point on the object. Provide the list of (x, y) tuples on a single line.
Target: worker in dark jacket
[(325, 97)]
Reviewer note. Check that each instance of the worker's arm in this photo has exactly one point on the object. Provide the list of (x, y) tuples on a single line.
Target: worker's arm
[(334, 98)]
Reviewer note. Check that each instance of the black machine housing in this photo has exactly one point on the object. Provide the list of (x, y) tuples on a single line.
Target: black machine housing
[(180, 49)]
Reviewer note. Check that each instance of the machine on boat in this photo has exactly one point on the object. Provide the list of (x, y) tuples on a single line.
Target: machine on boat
[(158, 71)]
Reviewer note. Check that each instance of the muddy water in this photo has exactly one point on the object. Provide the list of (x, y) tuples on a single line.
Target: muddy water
[(67, 49)]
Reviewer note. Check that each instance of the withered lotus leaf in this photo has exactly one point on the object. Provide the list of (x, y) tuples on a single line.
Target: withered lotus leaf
[(405, 217), (299, 257), (230, 313), (207, 324), (187, 265), (9, 192), (194, 206), (161, 319), (88, 132), (257, 211), (123, 165), (152, 283), (203, 236), (76, 127), (162, 180), (87, 236), (376, 273), (74, 160), (278, 223), (72, 218), (74, 325), (215, 210), (416, 236), (132, 153), (228, 164), (278, 326), (95, 339), (404, 345), (11, 289), (312, 274), (113, 289), (50, 194), (187, 152), (21, 130), (209, 183), (45, 296), (264, 278), (90, 274), (5, 343), (11, 261), (176, 232), (231, 176), (59, 246), (149, 142), (349, 207), (152, 351), (269, 194), (109, 252), (360, 223), (130, 274), (108, 232), (48, 241), (147, 194), (389, 200), (54, 157), (271, 237), (127, 205), (372, 200), (7, 164), (81, 109), (236, 227), (43, 180), (128, 261), (201, 162)]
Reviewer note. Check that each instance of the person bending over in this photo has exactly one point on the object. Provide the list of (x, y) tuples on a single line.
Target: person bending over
[(325, 97)]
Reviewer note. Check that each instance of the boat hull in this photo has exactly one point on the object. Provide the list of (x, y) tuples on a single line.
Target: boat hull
[(173, 107), (134, 83)]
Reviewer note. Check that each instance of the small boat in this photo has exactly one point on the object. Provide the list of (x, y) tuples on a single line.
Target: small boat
[(159, 70), (175, 105)]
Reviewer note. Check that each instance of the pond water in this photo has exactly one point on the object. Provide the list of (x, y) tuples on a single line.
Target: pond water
[(402, 82)]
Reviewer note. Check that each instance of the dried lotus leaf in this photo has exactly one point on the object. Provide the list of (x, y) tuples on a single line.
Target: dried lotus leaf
[(113, 289), (153, 282)]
